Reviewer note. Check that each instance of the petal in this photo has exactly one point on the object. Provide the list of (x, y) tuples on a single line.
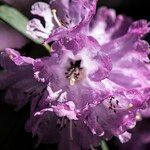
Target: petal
[(17, 59), (104, 67), (18, 71), (44, 127), (11, 60), (8, 78), (125, 137), (19, 99), (129, 55), (63, 110), (140, 28), (96, 63), (35, 27), (114, 115), (71, 13), (106, 25)]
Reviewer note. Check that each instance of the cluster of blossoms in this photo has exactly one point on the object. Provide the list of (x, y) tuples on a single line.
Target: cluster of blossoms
[(94, 85)]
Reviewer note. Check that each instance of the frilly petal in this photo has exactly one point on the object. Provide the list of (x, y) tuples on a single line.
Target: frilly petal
[(61, 110), (115, 114), (106, 25), (129, 56), (17, 58), (18, 71), (35, 27), (140, 28), (11, 60), (125, 137)]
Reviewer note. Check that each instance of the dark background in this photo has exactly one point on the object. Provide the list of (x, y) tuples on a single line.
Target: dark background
[(12, 134)]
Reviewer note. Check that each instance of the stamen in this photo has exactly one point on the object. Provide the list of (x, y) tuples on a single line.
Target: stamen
[(112, 106), (61, 123), (56, 18), (63, 23)]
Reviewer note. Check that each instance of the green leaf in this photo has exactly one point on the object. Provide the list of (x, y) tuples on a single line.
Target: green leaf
[(18, 21), (104, 145)]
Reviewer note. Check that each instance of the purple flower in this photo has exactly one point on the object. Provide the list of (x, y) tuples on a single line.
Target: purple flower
[(88, 89)]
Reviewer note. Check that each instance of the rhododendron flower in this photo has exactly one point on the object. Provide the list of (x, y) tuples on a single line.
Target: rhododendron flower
[(71, 84), (88, 89)]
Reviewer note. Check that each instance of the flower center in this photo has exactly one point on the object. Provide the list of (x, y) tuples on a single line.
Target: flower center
[(74, 72)]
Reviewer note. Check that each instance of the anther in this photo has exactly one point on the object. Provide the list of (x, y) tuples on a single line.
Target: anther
[(61, 123), (112, 106)]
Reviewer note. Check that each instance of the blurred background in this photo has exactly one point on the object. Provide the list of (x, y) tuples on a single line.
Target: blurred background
[(12, 133)]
